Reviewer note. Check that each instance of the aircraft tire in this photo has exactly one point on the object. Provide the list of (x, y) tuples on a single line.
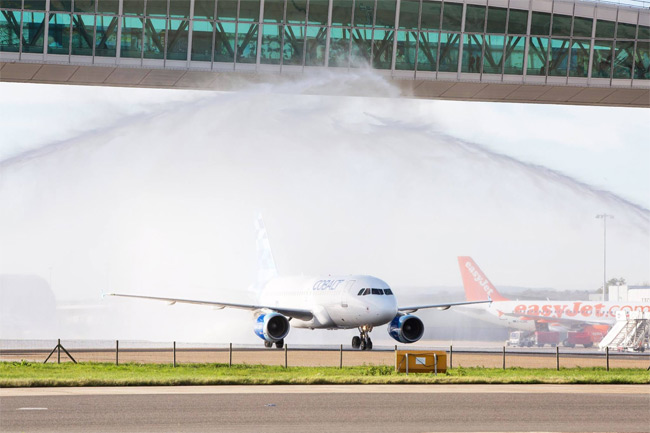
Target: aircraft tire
[(279, 344), (268, 344), (356, 342), (369, 344)]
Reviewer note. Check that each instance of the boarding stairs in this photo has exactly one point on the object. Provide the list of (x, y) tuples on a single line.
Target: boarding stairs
[(631, 332)]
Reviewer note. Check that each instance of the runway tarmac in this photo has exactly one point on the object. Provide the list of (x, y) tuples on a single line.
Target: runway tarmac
[(335, 408)]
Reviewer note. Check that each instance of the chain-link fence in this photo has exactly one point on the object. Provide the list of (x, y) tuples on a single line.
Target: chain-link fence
[(120, 352)]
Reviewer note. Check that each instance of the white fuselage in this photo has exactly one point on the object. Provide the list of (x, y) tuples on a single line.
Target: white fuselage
[(560, 315), (335, 301)]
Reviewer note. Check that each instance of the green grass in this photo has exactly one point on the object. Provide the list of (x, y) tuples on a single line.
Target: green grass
[(25, 374)]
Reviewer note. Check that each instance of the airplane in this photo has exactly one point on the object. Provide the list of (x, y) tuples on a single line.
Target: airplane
[(590, 316), (327, 302)]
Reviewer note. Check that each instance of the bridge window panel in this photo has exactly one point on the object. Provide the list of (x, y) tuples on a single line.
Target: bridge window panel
[(156, 8), (582, 27), (496, 20), (227, 10), (274, 11), (361, 47), (540, 24), (271, 49), (517, 22), (339, 47), (83, 29), (382, 49), (605, 29), (318, 12), (449, 48), (33, 31), (406, 51), (579, 58), (537, 56), (602, 61), (249, 10), (385, 15), (623, 59), (154, 37), (642, 61), (452, 14), (131, 44), (472, 47), (409, 15), (106, 36), (107, 6), (316, 46), (131, 7), (204, 9), (475, 19), (513, 63), (87, 6), (201, 41), (177, 39), (179, 8), (58, 38), (644, 33), (247, 43), (342, 13), (11, 4), (34, 5), (10, 31), (224, 42), (294, 45), (493, 54), (297, 11), (61, 5), (364, 13), (559, 57), (626, 31), (428, 51), (430, 16), (561, 25)]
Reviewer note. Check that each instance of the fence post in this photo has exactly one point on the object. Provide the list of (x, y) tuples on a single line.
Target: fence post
[(341, 357), (117, 352), (396, 366), (174, 354), (504, 357), (607, 356), (451, 357), (286, 348), (230, 358), (557, 358), (58, 351)]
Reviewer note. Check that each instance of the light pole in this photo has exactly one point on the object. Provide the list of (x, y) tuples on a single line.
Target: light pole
[(604, 217)]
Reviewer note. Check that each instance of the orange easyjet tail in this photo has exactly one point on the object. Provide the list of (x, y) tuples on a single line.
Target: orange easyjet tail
[(477, 286)]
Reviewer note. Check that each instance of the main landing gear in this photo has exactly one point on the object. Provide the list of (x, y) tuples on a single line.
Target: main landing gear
[(363, 341), (278, 344)]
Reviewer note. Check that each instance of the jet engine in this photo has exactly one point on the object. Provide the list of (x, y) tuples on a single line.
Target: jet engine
[(406, 328), (271, 327)]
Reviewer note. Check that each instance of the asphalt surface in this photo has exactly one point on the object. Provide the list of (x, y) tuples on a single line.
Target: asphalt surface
[(334, 409)]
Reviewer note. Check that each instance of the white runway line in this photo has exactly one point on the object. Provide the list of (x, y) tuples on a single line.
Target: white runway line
[(32, 408)]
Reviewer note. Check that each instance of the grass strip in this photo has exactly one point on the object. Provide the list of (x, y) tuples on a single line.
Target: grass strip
[(26, 374)]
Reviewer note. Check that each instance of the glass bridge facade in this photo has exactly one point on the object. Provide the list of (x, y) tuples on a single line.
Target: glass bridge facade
[(473, 39)]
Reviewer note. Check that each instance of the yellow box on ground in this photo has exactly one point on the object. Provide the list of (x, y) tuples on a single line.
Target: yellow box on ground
[(420, 361)]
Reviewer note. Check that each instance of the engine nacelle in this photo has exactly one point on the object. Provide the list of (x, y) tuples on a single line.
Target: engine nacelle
[(406, 328), (271, 327)]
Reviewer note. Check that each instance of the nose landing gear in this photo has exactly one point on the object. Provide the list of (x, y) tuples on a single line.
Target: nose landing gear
[(363, 341)]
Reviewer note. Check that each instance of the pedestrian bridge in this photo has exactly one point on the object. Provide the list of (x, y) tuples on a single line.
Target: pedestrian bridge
[(536, 51)]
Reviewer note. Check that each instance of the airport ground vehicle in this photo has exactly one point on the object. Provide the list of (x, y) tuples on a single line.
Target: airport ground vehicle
[(573, 338), (537, 338)]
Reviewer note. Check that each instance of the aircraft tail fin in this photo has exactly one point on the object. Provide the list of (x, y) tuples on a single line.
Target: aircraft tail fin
[(266, 269), (477, 286)]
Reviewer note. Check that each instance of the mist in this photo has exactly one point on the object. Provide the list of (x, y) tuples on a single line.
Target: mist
[(163, 203)]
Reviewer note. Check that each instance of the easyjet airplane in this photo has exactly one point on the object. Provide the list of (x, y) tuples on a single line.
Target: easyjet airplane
[(532, 315), (328, 302)]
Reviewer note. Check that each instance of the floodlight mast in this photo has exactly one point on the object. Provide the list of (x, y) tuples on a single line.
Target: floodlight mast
[(604, 217)]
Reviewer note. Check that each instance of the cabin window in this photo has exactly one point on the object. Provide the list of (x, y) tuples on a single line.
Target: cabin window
[(366, 292), (377, 292), (388, 291), (360, 292)]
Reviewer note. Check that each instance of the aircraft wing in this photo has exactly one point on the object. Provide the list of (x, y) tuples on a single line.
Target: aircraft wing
[(444, 306), (289, 312)]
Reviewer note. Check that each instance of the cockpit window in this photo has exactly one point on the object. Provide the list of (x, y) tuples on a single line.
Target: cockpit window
[(377, 292), (388, 291), (360, 292), (366, 292)]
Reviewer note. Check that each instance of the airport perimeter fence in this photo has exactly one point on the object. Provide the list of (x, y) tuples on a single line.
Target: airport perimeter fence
[(174, 353)]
